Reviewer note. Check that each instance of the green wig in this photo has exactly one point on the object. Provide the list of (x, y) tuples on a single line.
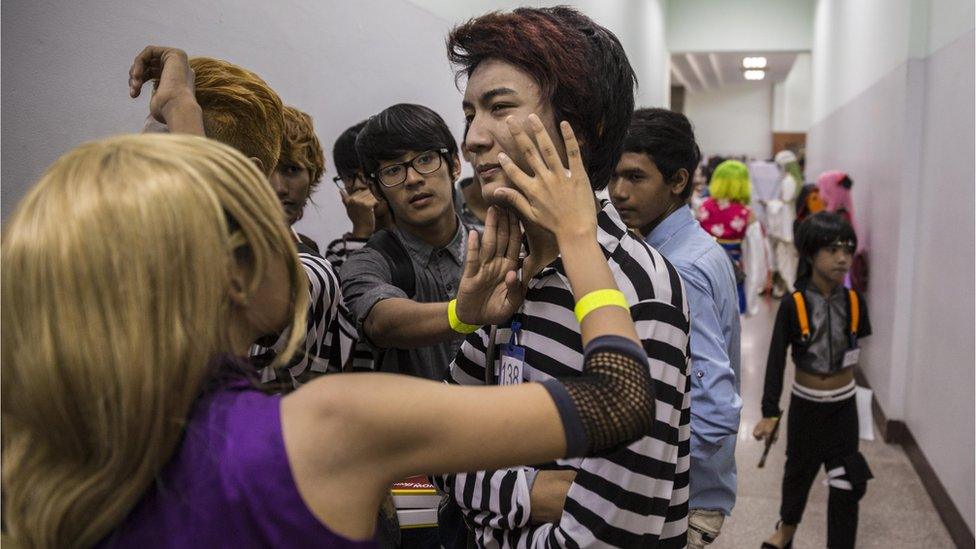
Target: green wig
[(730, 181)]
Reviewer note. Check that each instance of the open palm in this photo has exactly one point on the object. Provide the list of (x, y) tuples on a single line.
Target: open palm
[(490, 292)]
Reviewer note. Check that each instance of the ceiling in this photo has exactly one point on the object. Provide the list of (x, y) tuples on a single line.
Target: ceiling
[(698, 72)]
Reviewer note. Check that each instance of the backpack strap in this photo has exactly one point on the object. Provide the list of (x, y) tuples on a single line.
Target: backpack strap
[(855, 311), (402, 273), (801, 314), (401, 268), (305, 248)]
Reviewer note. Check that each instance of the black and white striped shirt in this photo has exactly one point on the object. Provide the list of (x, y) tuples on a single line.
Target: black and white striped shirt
[(330, 333), (633, 497), (339, 249)]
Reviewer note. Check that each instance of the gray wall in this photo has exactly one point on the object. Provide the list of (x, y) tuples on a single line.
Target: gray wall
[(898, 116), (65, 67)]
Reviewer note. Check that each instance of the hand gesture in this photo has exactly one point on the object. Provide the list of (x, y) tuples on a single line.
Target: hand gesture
[(360, 207), (490, 291), (170, 69), (557, 197), (766, 428)]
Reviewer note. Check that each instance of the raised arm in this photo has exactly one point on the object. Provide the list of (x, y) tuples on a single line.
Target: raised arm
[(485, 296), (173, 100)]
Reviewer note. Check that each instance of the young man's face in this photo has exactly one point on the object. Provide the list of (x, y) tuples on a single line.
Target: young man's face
[(421, 200), (497, 90), (291, 183), (832, 262), (639, 192)]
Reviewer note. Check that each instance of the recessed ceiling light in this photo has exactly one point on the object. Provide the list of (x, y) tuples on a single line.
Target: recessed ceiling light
[(754, 75), (754, 62)]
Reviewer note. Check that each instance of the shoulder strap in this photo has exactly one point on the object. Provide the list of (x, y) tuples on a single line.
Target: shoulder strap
[(801, 314), (305, 248), (401, 268), (855, 310)]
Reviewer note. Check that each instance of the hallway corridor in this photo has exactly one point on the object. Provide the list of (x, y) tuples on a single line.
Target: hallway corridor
[(895, 513)]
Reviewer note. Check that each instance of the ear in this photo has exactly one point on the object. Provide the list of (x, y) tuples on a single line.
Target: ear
[(679, 181), (238, 285), (455, 168), (259, 164)]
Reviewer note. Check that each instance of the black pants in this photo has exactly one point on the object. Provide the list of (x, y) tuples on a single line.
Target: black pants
[(825, 433)]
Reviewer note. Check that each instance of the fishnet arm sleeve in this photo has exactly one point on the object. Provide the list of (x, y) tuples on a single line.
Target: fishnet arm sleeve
[(612, 403)]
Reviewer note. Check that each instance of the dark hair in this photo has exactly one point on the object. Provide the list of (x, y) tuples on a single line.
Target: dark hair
[(668, 139), (709, 168), (821, 230), (402, 128), (580, 67), (344, 151)]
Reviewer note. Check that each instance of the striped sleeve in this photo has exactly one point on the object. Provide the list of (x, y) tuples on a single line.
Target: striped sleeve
[(330, 335), (339, 249)]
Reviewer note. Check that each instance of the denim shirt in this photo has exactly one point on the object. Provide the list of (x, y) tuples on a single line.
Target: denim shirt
[(715, 402)]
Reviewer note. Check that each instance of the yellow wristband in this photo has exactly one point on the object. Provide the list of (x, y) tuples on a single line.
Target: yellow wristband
[(455, 322), (599, 298)]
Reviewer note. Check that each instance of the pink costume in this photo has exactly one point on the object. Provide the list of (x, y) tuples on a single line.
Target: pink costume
[(727, 222)]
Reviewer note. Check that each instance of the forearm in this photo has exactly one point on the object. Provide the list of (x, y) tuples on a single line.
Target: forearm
[(185, 116), (405, 324), (548, 493), (773, 385)]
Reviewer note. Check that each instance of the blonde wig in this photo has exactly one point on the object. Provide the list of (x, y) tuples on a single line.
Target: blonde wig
[(730, 181), (117, 271)]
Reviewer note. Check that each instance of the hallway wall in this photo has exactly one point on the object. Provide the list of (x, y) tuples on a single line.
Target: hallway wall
[(65, 69), (733, 120), (791, 98), (893, 88)]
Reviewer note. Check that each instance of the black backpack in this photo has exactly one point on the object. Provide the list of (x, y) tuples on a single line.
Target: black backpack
[(403, 277)]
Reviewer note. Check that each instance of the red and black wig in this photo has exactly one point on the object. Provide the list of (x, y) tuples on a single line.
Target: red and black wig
[(580, 66)]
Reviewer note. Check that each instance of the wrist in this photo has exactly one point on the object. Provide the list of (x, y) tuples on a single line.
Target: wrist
[(455, 321), (184, 116), (575, 236), (362, 231)]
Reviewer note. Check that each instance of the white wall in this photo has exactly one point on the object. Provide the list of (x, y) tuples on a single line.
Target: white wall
[(858, 43), (791, 97), (732, 120), (639, 24), (893, 88), (739, 25), (65, 63)]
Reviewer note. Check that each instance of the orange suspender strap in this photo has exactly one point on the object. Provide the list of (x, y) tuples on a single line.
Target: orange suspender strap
[(855, 311), (801, 314)]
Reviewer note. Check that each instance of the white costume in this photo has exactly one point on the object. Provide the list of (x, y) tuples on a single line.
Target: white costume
[(780, 213)]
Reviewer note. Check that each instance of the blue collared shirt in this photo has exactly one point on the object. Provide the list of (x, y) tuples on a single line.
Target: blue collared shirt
[(715, 402)]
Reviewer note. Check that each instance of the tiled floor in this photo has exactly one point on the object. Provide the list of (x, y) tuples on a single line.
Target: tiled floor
[(895, 513)]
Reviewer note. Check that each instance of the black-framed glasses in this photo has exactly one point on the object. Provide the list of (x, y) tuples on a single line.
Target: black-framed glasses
[(424, 163), (348, 181)]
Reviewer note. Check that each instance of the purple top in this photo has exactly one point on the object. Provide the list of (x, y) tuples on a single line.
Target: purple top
[(228, 485)]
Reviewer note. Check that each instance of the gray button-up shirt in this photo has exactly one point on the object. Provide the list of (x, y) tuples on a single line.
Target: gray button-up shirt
[(367, 280)]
